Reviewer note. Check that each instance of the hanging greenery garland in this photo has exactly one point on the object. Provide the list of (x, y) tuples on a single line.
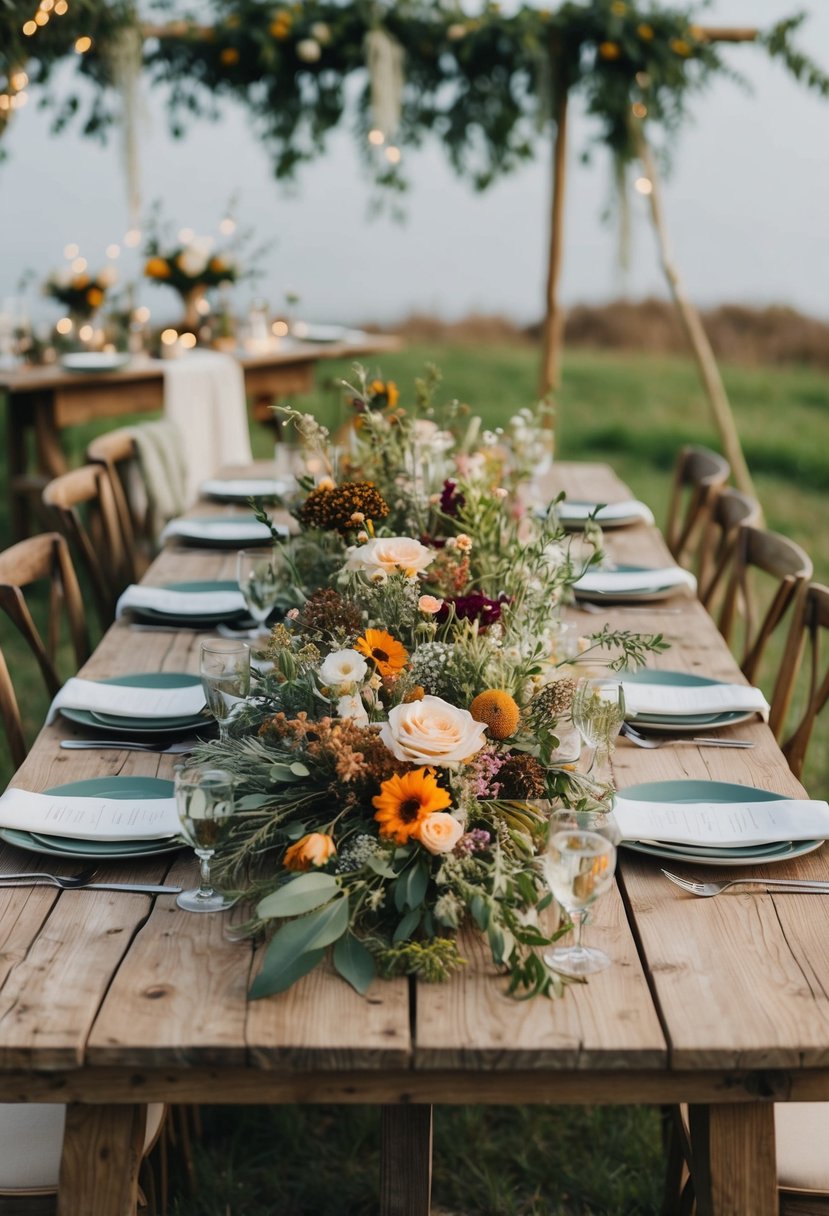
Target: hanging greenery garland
[(482, 85)]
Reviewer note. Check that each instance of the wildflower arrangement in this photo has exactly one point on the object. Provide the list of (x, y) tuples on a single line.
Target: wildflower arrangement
[(393, 765), (80, 292), (184, 265)]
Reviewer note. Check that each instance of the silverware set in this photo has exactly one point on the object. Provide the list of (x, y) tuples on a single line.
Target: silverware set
[(82, 882), (654, 741), (178, 747)]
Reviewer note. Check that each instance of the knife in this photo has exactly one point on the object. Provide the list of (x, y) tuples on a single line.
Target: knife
[(137, 888)]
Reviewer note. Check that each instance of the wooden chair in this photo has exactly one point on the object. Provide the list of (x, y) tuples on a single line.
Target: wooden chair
[(808, 624), (731, 509), (83, 505), (699, 475), (43, 558), (116, 451), (787, 565)]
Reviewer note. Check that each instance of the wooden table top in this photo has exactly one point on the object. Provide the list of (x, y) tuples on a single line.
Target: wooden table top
[(30, 379), (106, 990)]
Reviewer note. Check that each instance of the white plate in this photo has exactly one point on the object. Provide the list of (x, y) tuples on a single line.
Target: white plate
[(574, 513), (95, 361), (240, 489)]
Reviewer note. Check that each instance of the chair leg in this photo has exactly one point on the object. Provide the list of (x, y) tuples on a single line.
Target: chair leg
[(677, 1176)]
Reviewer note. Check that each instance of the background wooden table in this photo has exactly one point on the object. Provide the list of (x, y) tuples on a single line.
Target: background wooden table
[(109, 1001)]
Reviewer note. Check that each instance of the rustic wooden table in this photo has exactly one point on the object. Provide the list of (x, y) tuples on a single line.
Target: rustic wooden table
[(43, 401), (110, 1001)]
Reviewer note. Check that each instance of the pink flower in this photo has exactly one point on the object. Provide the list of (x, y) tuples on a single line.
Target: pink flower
[(292, 614), (429, 604)]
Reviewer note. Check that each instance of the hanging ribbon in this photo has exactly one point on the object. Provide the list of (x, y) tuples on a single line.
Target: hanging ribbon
[(384, 58), (125, 62)]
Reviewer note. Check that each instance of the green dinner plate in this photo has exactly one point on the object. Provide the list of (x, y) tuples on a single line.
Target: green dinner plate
[(670, 723), (208, 541), (156, 617), (125, 725), (726, 792), (636, 597), (576, 524), (114, 786)]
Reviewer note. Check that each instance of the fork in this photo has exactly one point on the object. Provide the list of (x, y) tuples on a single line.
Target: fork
[(127, 745), (782, 885), (635, 736), (80, 882), (65, 882)]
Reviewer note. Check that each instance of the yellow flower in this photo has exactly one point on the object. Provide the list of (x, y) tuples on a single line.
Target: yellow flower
[(645, 31), (80, 282), (157, 268), (405, 801), (387, 389), (218, 265), (609, 50), (388, 655), (498, 711), (315, 849), (680, 47), (94, 297), (229, 56), (280, 27)]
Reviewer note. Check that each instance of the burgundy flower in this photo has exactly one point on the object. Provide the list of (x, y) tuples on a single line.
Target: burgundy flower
[(451, 502), (474, 607)]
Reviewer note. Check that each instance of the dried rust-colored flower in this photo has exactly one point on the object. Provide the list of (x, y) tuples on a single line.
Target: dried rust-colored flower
[(343, 508), (521, 776), (327, 613)]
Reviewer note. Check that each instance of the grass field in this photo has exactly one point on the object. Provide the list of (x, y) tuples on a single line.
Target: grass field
[(634, 412)]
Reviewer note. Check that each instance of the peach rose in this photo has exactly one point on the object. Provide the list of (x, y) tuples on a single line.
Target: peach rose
[(432, 731), (429, 604), (440, 832), (392, 555), (315, 849)]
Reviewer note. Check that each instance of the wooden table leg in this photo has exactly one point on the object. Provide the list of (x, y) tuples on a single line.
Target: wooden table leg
[(102, 1148), (734, 1167), (406, 1161)]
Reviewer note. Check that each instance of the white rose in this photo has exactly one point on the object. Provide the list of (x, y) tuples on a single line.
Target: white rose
[(308, 50), (440, 832), (391, 554), (353, 708), (193, 262), (343, 667), (432, 731)]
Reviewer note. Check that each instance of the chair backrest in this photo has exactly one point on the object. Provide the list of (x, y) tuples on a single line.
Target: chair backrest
[(116, 451), (39, 558), (788, 567), (808, 627), (730, 511), (699, 475), (95, 534)]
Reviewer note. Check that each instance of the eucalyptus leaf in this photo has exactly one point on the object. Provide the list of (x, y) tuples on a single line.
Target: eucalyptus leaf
[(407, 925), (280, 971), (298, 895), (354, 962)]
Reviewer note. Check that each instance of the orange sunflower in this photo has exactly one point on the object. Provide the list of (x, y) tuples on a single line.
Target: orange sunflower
[(405, 801), (388, 655)]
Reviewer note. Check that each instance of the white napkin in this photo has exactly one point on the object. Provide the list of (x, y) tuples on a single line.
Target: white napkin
[(179, 603), (628, 582), (579, 512), (244, 531), (247, 487), (89, 818), (674, 700), (124, 700), (204, 395), (722, 824)]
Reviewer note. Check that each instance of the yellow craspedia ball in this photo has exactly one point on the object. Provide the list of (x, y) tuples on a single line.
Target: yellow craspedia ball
[(498, 711)]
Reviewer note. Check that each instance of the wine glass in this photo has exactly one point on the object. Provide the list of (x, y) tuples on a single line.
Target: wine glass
[(204, 801), (224, 666), (598, 712), (602, 822), (579, 867), (258, 578)]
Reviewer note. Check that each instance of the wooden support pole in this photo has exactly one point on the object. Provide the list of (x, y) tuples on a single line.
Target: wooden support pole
[(406, 1160), (553, 332), (694, 329)]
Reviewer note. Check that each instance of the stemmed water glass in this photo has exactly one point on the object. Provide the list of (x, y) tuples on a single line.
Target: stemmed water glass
[(598, 712), (224, 666), (259, 583), (579, 867), (204, 801)]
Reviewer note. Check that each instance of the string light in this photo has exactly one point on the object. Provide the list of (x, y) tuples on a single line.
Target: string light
[(86, 333), (30, 28), (169, 337), (79, 265), (19, 80), (83, 44), (279, 329), (393, 155), (113, 252), (639, 110), (228, 226), (132, 238), (188, 341), (41, 18), (376, 138), (64, 325), (644, 185), (141, 315), (61, 7)]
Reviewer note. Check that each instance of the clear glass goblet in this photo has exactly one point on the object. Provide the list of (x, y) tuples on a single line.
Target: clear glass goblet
[(579, 868), (259, 582), (598, 712), (204, 801), (224, 666)]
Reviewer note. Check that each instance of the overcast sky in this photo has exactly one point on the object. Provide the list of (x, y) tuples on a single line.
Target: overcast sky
[(747, 207)]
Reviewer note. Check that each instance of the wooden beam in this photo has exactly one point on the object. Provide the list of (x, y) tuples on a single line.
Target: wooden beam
[(729, 33)]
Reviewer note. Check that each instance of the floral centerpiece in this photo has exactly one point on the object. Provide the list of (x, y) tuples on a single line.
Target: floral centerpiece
[(190, 266), (393, 767), (80, 292)]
